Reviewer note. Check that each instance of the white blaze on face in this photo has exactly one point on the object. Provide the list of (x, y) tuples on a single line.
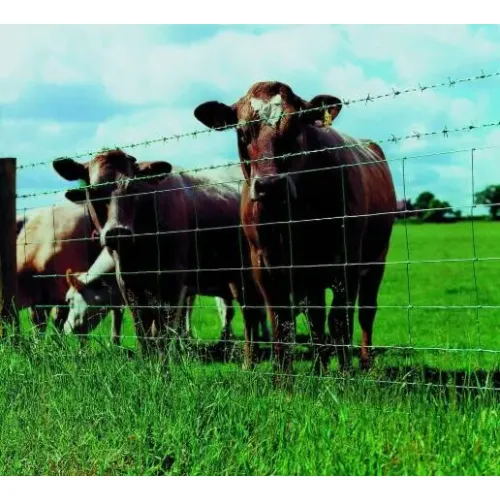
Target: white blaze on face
[(269, 111)]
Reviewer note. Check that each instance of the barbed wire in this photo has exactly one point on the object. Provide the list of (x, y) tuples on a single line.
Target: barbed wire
[(356, 143), (449, 83), (239, 181)]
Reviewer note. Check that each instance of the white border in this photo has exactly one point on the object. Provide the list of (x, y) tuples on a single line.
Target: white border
[(248, 12), (222, 488)]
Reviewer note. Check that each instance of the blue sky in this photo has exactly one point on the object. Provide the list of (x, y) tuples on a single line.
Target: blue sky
[(71, 89)]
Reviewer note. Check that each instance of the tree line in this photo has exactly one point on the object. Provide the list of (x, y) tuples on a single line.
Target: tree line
[(428, 208)]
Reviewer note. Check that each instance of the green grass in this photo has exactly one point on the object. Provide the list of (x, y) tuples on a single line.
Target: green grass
[(98, 410)]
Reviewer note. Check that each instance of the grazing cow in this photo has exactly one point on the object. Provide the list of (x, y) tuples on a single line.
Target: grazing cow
[(50, 240), (310, 223), (86, 300), (168, 232)]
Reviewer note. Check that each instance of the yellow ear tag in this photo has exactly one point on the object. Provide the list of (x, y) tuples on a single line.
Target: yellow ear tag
[(327, 118)]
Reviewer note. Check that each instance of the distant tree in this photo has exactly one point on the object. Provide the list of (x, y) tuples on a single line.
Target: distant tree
[(490, 196), (457, 214), (437, 210), (423, 202)]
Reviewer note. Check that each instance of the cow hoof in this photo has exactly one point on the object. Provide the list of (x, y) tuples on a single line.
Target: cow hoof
[(365, 365)]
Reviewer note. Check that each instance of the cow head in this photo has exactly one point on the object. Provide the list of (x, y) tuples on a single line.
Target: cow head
[(266, 129), (114, 180), (87, 303)]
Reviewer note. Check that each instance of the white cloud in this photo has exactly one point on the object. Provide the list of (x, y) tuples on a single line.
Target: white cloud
[(230, 61), (420, 51), (349, 81), (453, 172), (50, 128), (187, 152), (137, 67), (58, 53)]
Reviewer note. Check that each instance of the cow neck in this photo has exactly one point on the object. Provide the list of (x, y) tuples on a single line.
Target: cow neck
[(92, 212)]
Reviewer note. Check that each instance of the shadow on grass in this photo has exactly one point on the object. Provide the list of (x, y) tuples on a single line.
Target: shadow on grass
[(402, 370)]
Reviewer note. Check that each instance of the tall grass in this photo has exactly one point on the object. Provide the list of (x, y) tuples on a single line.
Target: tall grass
[(67, 409)]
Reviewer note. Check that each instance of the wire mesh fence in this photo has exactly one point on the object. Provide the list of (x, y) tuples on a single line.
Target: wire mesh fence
[(286, 242)]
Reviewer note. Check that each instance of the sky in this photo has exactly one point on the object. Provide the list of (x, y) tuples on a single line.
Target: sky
[(73, 89)]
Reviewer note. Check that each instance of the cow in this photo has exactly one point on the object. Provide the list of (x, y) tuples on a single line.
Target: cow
[(168, 232), (86, 298), (50, 240), (308, 209)]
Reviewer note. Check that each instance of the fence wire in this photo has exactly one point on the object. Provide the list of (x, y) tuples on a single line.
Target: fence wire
[(444, 132), (41, 287)]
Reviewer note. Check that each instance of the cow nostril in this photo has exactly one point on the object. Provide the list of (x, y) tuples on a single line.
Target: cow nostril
[(264, 187), (116, 236)]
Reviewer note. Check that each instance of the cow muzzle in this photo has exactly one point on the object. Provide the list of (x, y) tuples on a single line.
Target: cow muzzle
[(117, 237), (274, 188)]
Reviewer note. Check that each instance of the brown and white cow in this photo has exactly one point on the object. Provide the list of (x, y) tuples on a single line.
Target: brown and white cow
[(50, 240), (308, 210), (168, 233), (89, 296)]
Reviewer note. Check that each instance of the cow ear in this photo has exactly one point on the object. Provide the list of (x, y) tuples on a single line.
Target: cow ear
[(76, 195), (158, 170), (73, 281), (214, 114), (70, 169), (330, 105)]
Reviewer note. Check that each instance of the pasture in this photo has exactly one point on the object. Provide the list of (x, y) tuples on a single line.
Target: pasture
[(431, 409)]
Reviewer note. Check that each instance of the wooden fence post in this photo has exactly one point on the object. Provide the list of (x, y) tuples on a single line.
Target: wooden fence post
[(8, 240)]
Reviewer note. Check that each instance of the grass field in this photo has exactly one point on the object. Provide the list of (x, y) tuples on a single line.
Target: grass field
[(101, 411)]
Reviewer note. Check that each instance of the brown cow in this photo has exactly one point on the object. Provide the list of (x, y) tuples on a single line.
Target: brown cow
[(303, 210), (179, 232)]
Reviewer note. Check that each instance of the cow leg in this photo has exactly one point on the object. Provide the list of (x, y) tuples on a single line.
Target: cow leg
[(283, 321), (265, 333), (60, 317), (167, 330), (251, 327), (185, 317), (143, 322), (368, 292), (341, 315), (39, 317), (151, 322), (277, 298), (317, 318), (226, 312), (274, 289), (116, 324)]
